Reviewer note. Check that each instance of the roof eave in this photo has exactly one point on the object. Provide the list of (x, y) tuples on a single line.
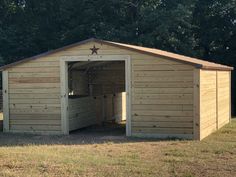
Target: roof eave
[(2, 68), (225, 68), (145, 52)]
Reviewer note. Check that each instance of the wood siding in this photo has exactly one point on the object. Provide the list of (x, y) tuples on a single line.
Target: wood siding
[(162, 93), (208, 97), (223, 107), (34, 96), (162, 98), (214, 101)]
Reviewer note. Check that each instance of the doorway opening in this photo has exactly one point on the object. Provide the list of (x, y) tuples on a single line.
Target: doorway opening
[(97, 98)]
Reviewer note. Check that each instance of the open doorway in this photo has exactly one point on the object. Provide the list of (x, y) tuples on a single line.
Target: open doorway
[(97, 95)]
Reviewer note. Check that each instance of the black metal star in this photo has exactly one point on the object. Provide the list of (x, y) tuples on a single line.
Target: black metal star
[(94, 50)]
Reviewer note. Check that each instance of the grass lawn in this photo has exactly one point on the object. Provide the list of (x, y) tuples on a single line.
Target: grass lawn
[(31, 155)]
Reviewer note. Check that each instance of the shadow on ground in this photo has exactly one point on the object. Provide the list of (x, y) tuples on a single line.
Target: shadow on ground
[(89, 135)]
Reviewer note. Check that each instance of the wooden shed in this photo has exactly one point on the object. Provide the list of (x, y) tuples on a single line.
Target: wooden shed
[(159, 94)]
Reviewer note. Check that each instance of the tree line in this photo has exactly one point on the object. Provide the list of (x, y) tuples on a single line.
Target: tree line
[(204, 29)]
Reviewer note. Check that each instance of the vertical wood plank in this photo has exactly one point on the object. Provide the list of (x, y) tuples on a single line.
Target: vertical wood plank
[(64, 97), (128, 95), (196, 104), (5, 101)]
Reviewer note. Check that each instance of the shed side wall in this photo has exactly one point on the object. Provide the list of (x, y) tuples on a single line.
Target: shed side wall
[(214, 101)]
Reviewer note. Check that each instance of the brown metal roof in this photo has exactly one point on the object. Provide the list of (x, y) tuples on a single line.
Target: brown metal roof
[(149, 51)]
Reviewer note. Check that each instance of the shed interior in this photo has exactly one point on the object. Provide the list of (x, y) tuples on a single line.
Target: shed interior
[(97, 96)]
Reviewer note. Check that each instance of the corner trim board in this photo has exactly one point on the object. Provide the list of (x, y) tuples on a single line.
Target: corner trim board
[(196, 104), (64, 97), (6, 126)]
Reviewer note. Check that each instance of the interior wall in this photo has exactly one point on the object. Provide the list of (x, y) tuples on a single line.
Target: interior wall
[(82, 112), (103, 83), (78, 82), (105, 79), (108, 79), (111, 107), (120, 107)]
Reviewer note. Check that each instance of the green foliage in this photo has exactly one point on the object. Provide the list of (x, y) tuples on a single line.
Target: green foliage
[(199, 28)]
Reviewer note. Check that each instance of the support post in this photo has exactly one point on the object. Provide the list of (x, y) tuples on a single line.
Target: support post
[(64, 97)]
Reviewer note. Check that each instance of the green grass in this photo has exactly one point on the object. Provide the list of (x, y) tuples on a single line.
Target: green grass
[(22, 155)]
